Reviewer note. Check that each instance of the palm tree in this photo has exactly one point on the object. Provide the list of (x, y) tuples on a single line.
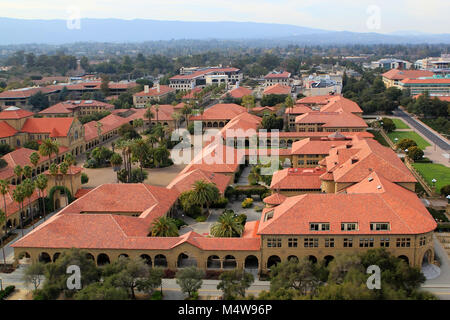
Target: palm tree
[(227, 226), (4, 190), (34, 159), (186, 111), (27, 172), (70, 160), (201, 111), (177, 117), (64, 168), (140, 151), (18, 171), (19, 197), (204, 193), (28, 189), (47, 148), (3, 221), (149, 114), (164, 227), (156, 107), (99, 126), (41, 184)]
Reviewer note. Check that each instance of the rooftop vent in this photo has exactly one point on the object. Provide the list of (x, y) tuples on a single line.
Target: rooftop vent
[(370, 179), (354, 160), (378, 187)]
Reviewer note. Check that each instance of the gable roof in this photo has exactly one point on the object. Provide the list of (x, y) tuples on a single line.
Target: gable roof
[(317, 146), (239, 92), (277, 89), (13, 113), (400, 74), (220, 111), (277, 75), (332, 119), (6, 130), (56, 127), (70, 105), (297, 178), (184, 181)]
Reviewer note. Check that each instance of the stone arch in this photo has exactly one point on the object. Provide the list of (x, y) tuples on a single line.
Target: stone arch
[(272, 261), (103, 259), (251, 262), (312, 258), (292, 257), (44, 257), (289, 143), (24, 258), (213, 262), (229, 262), (56, 256), (328, 259), (160, 260), (90, 257), (123, 256), (147, 259), (221, 124), (57, 204), (404, 258), (184, 260), (427, 257), (215, 125)]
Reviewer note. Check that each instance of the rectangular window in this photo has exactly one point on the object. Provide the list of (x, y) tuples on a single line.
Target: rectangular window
[(379, 226), (403, 242), (384, 242), (423, 241), (366, 243), (274, 243), (348, 242), (319, 226), (311, 243), (292, 242), (329, 242), (349, 226)]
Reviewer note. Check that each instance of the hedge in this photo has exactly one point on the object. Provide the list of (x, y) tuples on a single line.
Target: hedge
[(5, 293)]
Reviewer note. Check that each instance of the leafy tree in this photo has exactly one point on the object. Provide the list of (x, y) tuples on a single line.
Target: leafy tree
[(415, 153), (270, 122), (164, 227), (445, 190), (388, 124), (227, 226), (84, 178), (235, 283), (406, 144), (248, 102), (190, 280), (273, 99), (102, 291), (204, 193), (129, 277), (34, 274), (39, 101), (41, 185), (32, 144), (48, 148), (104, 87), (4, 149), (152, 281)]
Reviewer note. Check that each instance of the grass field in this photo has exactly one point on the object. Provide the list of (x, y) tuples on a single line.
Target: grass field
[(432, 171), (421, 142), (399, 124)]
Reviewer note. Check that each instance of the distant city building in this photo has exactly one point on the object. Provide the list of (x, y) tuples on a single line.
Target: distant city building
[(189, 78), (435, 64), (318, 85), (277, 78), (436, 86), (392, 77), (158, 92), (391, 64)]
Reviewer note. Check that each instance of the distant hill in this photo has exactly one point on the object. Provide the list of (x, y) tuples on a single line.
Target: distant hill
[(21, 31)]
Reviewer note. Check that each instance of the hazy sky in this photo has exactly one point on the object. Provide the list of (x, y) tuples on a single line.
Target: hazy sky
[(353, 15)]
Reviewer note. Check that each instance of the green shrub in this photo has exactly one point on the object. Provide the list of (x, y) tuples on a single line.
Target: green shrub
[(6, 292), (200, 219), (221, 203), (84, 178), (247, 203), (242, 219), (438, 214), (194, 212), (179, 223), (156, 295), (258, 209)]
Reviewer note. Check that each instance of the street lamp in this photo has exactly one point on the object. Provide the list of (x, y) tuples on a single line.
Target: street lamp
[(434, 182)]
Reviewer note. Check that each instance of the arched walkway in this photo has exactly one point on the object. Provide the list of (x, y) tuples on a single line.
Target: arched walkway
[(229, 262), (328, 259), (427, 257), (251, 262), (404, 258), (56, 256), (44, 257), (103, 259), (213, 262), (123, 256), (24, 258), (147, 259), (272, 261), (90, 257), (184, 261), (295, 258), (160, 261), (313, 259)]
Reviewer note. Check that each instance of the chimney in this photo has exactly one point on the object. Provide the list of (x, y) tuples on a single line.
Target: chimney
[(146, 89), (158, 88)]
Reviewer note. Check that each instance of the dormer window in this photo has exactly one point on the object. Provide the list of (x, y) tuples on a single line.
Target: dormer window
[(319, 226), (268, 215), (379, 226), (349, 226)]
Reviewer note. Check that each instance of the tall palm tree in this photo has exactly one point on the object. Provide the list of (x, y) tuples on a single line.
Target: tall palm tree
[(177, 117), (99, 126), (164, 227), (70, 161), (19, 197), (3, 221), (4, 190), (18, 171), (28, 189), (156, 107), (204, 193), (27, 172), (201, 110), (41, 184), (186, 111), (47, 148), (149, 114), (34, 159), (63, 169), (227, 226), (141, 151)]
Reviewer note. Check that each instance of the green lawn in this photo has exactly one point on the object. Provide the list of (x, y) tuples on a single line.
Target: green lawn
[(432, 171), (399, 124), (421, 142)]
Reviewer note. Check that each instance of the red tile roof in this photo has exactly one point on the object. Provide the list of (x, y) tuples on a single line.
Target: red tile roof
[(400, 74), (274, 199), (203, 72), (220, 111), (153, 92), (332, 119), (273, 75), (11, 205), (56, 127), (6, 130), (69, 106), (297, 178), (185, 181), (277, 89), (426, 81), (316, 146), (239, 93), (81, 192), (12, 113), (315, 100), (298, 109), (25, 92), (367, 155), (109, 123)]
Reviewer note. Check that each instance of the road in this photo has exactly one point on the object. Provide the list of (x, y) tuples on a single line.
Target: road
[(444, 145)]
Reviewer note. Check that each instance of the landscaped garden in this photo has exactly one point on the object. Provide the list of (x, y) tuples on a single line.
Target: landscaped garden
[(421, 142), (430, 171)]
